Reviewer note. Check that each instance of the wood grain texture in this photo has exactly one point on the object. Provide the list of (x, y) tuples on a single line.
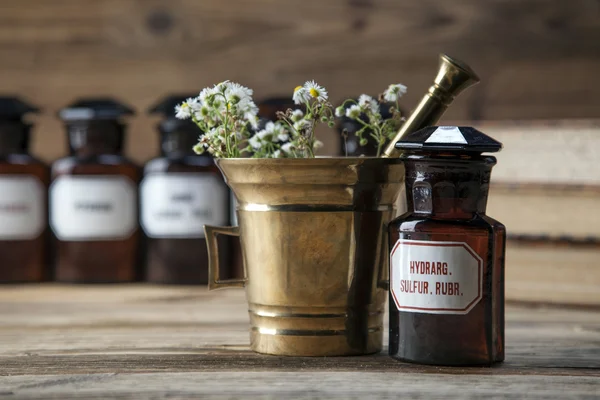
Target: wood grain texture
[(553, 273), (552, 152), (299, 385), (551, 211), (536, 58), (144, 341), (547, 179)]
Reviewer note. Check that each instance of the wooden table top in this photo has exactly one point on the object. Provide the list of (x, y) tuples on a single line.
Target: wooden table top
[(146, 341)]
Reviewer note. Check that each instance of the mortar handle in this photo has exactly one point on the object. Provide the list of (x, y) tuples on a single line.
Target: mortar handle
[(211, 233)]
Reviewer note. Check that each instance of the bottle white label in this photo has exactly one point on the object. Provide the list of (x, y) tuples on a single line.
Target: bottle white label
[(93, 207), (435, 277), (178, 205), (22, 207)]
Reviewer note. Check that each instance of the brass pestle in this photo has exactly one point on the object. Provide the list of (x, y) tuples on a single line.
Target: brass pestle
[(452, 78)]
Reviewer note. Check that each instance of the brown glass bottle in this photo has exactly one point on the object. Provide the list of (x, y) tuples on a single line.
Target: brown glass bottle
[(447, 256), (180, 193), (93, 197), (269, 107), (23, 193)]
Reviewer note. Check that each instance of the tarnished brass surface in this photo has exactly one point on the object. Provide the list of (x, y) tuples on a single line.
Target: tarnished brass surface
[(213, 256), (314, 241), (452, 78)]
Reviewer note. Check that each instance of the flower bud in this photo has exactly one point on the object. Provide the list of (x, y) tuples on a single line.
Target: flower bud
[(198, 149)]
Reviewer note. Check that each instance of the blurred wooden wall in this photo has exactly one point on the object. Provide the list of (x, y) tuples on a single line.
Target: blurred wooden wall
[(537, 58)]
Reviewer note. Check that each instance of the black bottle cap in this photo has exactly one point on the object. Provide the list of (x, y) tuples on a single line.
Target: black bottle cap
[(13, 108), (86, 109), (166, 106), (458, 139)]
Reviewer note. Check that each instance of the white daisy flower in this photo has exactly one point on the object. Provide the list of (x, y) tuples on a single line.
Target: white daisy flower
[(194, 103), (235, 95), (302, 125), (183, 111), (255, 142), (366, 102), (202, 112), (297, 115), (206, 93), (270, 127), (394, 92), (277, 154), (354, 111), (316, 91), (246, 92), (264, 135), (283, 136), (339, 111), (317, 144), (247, 106), (240, 95), (288, 148), (252, 119), (300, 95), (279, 131), (269, 132)]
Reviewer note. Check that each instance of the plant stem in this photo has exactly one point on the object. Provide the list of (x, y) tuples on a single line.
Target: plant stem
[(346, 145)]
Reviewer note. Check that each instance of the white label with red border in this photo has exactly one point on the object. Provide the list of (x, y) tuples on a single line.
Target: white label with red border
[(435, 277)]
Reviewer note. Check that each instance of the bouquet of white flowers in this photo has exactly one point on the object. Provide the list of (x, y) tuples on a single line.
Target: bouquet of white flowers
[(227, 116)]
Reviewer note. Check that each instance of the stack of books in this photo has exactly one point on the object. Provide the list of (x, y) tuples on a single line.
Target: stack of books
[(546, 190)]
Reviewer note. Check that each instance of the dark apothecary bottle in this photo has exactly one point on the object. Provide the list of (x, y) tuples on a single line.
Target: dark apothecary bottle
[(93, 197), (180, 193), (447, 255), (270, 106), (23, 193)]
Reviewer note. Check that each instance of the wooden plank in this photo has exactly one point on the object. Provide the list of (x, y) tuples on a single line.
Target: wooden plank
[(131, 324), (553, 273), (546, 181), (297, 385), (146, 341), (537, 59), (552, 211), (553, 152)]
